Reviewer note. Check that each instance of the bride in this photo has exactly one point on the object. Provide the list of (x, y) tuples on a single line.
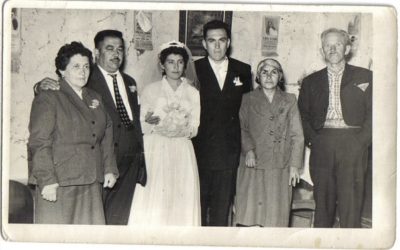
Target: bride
[(171, 195)]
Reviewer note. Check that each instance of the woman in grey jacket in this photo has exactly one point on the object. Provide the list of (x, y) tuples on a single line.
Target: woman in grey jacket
[(272, 150), (71, 141)]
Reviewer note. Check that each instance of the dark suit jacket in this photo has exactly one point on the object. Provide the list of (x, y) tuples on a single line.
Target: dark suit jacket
[(217, 144), (124, 147), (355, 96), (71, 143)]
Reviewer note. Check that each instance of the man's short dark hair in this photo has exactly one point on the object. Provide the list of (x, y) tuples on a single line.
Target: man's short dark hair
[(216, 24), (101, 35)]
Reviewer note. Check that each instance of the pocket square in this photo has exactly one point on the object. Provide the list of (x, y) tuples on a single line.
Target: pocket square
[(363, 86), (237, 81)]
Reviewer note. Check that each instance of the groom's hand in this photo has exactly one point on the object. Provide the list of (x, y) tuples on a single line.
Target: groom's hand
[(151, 119)]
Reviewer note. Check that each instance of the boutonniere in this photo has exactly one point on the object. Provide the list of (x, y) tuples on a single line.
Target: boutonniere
[(95, 104), (363, 86), (132, 88), (237, 81)]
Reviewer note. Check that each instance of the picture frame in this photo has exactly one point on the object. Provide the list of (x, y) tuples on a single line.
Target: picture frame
[(191, 27)]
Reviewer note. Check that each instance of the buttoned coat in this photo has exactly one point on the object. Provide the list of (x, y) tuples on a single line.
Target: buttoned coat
[(99, 84), (355, 97), (71, 139), (128, 145), (217, 144), (273, 130)]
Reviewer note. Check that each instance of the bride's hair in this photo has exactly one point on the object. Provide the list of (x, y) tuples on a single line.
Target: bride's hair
[(178, 48), (174, 50)]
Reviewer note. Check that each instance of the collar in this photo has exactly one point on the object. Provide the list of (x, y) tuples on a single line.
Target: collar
[(222, 64), (336, 73), (66, 88), (167, 86), (105, 73)]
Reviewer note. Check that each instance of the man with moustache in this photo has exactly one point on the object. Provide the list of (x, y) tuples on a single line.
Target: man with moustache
[(223, 81), (336, 108), (119, 94)]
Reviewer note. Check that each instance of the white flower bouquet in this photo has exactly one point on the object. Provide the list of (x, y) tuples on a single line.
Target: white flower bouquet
[(175, 123)]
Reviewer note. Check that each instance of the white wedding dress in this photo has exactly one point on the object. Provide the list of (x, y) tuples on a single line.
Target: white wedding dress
[(172, 192)]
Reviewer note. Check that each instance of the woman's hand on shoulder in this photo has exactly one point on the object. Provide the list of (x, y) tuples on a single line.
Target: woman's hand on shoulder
[(49, 192), (251, 160)]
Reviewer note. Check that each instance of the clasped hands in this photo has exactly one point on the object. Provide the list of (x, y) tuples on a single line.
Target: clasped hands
[(251, 162)]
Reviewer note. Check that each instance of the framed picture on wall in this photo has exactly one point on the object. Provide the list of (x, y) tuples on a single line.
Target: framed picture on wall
[(191, 27)]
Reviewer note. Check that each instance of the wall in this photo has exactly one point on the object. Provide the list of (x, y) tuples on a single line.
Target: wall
[(44, 31)]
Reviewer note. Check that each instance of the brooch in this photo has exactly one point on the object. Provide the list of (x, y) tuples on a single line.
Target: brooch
[(132, 88), (95, 104)]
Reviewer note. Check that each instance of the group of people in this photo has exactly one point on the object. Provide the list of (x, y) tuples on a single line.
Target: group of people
[(202, 148)]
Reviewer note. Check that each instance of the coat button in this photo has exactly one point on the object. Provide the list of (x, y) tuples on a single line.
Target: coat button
[(119, 126), (271, 117), (93, 122), (115, 144), (271, 132), (92, 147), (94, 135)]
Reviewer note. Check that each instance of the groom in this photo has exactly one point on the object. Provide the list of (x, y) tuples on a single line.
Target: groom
[(110, 82), (223, 81)]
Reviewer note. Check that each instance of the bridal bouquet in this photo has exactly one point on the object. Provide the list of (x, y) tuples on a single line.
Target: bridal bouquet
[(176, 121)]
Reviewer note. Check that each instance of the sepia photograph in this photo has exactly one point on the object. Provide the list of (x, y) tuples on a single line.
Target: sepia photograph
[(187, 124)]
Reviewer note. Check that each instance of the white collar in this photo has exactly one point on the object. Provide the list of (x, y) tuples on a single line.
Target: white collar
[(166, 84), (222, 64), (105, 73)]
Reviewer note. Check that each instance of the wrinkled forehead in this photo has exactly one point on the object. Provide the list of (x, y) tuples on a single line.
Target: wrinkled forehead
[(216, 33), (111, 40), (334, 36), (270, 63)]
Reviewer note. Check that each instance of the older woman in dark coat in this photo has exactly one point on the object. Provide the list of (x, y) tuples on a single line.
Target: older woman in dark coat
[(272, 151), (71, 142)]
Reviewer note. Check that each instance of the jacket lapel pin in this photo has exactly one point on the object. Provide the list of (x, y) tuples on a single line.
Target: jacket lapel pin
[(95, 104), (363, 86), (237, 81), (132, 88)]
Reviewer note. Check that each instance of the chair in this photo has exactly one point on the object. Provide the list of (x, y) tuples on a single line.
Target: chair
[(303, 205), (20, 203)]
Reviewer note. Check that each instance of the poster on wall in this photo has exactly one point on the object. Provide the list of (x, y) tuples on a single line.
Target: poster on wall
[(191, 27), (15, 40), (143, 27), (270, 34)]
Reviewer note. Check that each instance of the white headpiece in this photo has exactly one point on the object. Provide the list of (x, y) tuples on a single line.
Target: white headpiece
[(172, 44)]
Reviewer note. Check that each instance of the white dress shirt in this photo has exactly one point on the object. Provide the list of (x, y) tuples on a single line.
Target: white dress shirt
[(121, 89), (220, 70)]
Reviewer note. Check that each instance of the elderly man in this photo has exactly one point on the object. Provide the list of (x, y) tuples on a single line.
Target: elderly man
[(336, 108), (120, 99)]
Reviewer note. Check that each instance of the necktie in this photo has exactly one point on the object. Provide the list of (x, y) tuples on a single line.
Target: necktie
[(123, 114)]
